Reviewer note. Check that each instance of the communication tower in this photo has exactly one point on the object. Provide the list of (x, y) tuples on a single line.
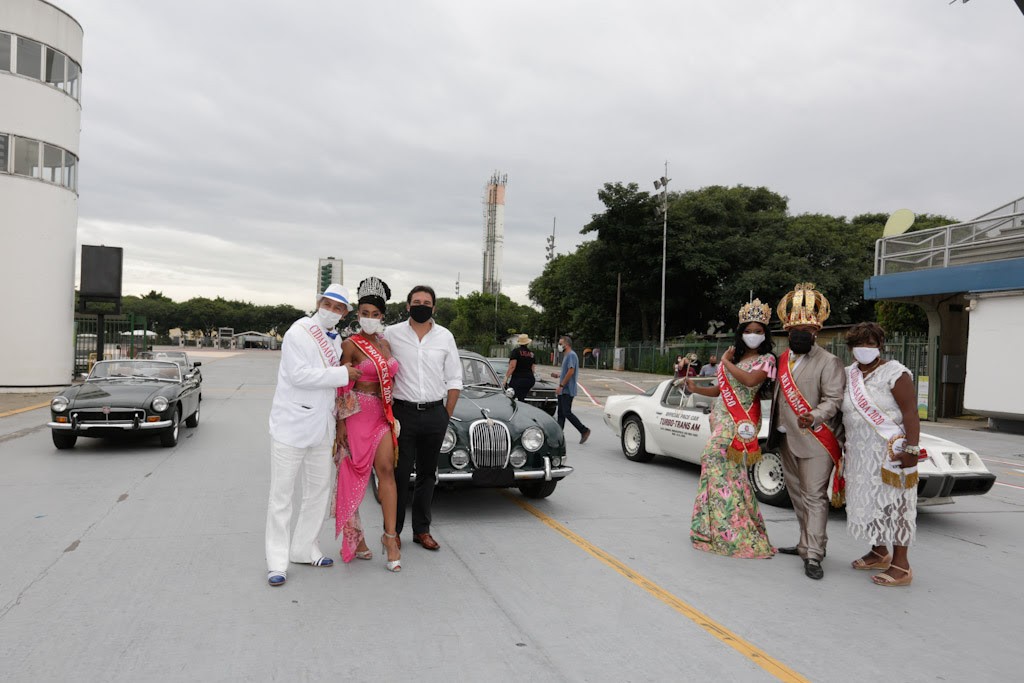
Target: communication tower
[(494, 232)]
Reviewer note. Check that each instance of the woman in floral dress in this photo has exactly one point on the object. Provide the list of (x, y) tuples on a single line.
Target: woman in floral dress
[(726, 519)]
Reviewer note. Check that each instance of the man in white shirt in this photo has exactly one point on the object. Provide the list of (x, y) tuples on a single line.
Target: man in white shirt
[(302, 430), (427, 387)]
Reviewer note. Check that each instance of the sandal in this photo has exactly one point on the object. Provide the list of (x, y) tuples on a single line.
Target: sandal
[(886, 580), (883, 562)]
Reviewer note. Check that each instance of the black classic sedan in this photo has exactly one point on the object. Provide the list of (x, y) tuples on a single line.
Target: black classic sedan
[(495, 441), (119, 396)]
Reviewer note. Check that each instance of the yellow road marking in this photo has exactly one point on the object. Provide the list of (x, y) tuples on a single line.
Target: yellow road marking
[(24, 410), (748, 650)]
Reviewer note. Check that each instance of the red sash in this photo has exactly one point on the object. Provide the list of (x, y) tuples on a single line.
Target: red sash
[(384, 375), (822, 433), (748, 422)]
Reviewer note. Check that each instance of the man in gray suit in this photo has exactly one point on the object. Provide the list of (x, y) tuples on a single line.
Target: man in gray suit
[(806, 425)]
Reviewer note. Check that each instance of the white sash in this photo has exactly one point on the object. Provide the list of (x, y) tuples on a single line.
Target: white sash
[(892, 473), (326, 349)]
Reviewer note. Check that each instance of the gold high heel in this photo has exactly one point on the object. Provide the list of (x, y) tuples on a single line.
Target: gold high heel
[(391, 565)]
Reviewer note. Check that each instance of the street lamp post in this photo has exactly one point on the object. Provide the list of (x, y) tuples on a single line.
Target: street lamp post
[(662, 184)]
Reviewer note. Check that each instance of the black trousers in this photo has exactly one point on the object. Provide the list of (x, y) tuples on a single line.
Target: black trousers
[(565, 413), (419, 444), (522, 386)]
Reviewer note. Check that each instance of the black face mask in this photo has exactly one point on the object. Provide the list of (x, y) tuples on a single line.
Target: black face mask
[(801, 341), (421, 313)]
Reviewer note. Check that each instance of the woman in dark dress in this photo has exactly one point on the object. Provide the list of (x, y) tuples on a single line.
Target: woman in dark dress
[(520, 368)]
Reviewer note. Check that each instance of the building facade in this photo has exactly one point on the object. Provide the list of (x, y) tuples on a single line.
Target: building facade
[(329, 270), (40, 122)]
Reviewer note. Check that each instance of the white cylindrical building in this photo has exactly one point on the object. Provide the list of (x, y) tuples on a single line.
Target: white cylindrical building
[(40, 122)]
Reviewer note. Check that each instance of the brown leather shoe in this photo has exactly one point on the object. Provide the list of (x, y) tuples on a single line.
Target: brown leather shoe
[(427, 541), (586, 435)]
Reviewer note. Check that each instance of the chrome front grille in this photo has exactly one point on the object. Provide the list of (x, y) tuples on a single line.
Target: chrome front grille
[(98, 416), (490, 443)]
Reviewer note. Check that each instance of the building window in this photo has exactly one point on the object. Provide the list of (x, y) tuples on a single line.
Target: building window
[(30, 58), (3, 153), (5, 51), (74, 71), (71, 171), (53, 162), (55, 68), (26, 157)]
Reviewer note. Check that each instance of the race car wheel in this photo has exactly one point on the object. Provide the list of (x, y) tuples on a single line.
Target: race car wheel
[(63, 440), (633, 440), (768, 481)]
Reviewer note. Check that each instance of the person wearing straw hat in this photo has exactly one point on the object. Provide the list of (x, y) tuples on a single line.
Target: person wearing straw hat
[(520, 375), (806, 425), (302, 431)]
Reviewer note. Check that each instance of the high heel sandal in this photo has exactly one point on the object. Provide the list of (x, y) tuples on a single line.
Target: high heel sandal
[(364, 554), (882, 562), (886, 580), (392, 565)]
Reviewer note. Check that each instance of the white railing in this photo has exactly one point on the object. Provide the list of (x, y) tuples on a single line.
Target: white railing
[(994, 236)]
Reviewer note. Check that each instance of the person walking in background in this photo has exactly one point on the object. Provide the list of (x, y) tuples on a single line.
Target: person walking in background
[(566, 390), (882, 437), (520, 375), (806, 426), (370, 433), (710, 369), (302, 432), (425, 395), (726, 519)]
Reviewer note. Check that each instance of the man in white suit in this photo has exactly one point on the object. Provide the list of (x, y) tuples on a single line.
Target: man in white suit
[(302, 430)]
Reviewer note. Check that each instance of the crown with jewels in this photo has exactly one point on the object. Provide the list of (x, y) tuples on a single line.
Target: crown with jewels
[(803, 306), (755, 312), (374, 286)]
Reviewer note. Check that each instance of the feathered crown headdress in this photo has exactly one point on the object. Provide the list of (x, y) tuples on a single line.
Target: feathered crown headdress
[(803, 306), (375, 291), (755, 312)]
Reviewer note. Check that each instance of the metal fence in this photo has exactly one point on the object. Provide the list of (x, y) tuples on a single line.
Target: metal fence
[(123, 337)]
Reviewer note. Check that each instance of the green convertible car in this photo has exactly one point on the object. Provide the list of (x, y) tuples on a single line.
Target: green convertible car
[(498, 442)]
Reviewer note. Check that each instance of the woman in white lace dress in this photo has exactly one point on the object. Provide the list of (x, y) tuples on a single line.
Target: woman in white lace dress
[(882, 432)]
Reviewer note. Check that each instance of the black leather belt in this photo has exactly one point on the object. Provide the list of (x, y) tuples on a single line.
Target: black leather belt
[(427, 405)]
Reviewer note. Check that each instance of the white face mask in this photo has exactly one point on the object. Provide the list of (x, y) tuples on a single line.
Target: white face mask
[(752, 340), (561, 348), (327, 319), (865, 355), (371, 325)]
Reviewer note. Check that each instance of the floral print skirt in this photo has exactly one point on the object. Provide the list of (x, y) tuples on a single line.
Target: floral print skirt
[(726, 518)]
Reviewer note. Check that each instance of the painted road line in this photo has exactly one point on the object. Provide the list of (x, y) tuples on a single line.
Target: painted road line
[(748, 650), (1001, 462), (1012, 486), (578, 384), (24, 410)]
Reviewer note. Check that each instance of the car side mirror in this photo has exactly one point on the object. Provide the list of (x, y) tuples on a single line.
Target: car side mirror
[(510, 392), (197, 364)]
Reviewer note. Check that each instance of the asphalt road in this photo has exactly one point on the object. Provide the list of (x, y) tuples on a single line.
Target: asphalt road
[(128, 561)]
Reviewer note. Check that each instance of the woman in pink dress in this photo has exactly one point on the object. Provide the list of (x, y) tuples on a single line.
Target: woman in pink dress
[(368, 438)]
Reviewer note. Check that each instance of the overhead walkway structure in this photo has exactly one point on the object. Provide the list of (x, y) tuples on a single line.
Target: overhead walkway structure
[(969, 278)]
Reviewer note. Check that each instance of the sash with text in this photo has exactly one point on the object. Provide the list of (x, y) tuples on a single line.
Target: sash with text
[(386, 386), (892, 474), (747, 421), (824, 435)]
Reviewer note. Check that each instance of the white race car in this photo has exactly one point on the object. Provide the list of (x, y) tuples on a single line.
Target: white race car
[(666, 421)]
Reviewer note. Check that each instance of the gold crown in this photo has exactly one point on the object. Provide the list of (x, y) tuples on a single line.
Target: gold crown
[(803, 306), (755, 312)]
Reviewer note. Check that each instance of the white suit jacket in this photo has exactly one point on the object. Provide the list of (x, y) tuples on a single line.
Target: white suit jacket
[(303, 407)]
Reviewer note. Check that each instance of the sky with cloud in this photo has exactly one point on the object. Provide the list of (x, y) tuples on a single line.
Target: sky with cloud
[(227, 145)]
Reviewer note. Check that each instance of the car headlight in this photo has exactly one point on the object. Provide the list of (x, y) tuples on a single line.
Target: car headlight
[(517, 458), (533, 439), (59, 404), (460, 459), (449, 441), (160, 404)]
